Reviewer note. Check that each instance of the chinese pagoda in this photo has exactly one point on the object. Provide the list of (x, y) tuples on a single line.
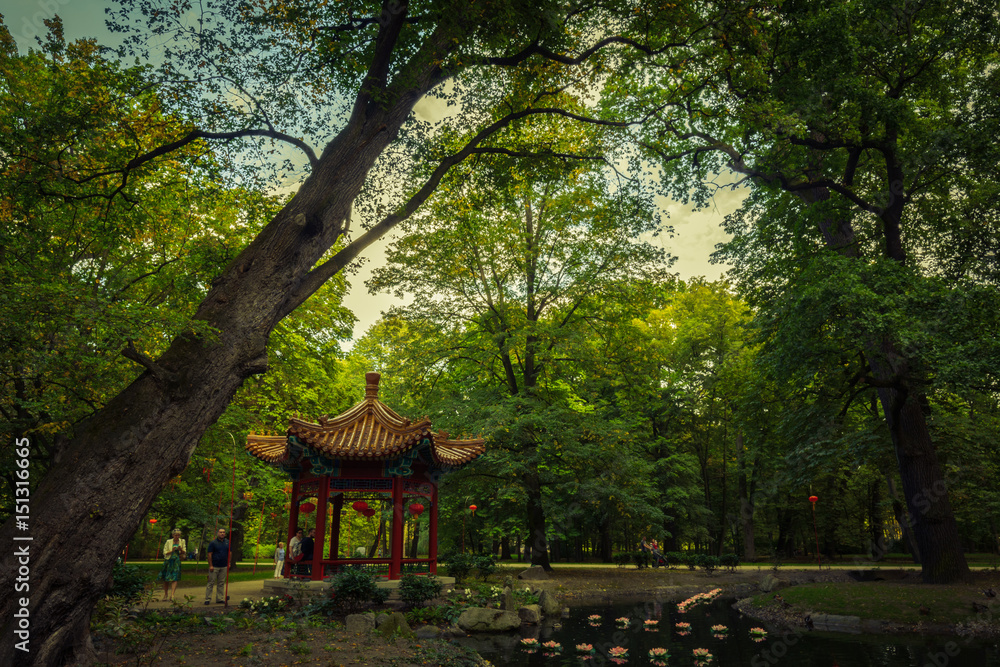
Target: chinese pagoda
[(367, 455)]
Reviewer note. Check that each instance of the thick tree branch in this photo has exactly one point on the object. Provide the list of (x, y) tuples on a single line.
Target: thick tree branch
[(328, 269), (160, 373)]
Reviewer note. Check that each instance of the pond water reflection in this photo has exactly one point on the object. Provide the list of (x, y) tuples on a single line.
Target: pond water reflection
[(735, 647)]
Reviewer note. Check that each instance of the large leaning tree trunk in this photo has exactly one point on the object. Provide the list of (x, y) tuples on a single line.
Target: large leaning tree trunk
[(924, 486), (95, 494)]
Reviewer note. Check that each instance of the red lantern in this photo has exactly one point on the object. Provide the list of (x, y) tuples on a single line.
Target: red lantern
[(306, 508), (416, 509), (813, 499), (152, 520), (360, 506), (368, 512), (473, 508)]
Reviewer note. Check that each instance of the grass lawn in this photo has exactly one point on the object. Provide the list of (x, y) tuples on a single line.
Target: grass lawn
[(883, 600)]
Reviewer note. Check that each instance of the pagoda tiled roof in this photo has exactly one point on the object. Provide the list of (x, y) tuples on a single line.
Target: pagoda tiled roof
[(370, 430)]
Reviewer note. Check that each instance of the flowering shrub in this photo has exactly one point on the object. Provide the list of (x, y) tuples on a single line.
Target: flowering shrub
[(271, 605)]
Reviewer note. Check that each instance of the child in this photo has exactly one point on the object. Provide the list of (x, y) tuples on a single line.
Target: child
[(279, 560)]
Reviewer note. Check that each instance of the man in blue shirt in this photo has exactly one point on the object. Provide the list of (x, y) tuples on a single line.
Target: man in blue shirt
[(219, 560)]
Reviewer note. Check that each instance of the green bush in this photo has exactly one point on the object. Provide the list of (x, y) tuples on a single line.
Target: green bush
[(459, 566), (708, 563), (354, 589), (622, 559), (416, 591), (420, 615), (485, 564), (677, 558), (128, 581), (730, 562)]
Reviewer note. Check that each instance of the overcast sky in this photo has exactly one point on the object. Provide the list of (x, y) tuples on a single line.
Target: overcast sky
[(695, 233)]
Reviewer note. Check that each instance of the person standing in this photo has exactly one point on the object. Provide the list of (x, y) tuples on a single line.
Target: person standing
[(295, 551), (174, 550), (219, 560), (279, 560), (308, 545)]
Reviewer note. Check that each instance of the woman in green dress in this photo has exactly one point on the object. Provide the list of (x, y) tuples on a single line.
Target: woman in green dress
[(174, 550)]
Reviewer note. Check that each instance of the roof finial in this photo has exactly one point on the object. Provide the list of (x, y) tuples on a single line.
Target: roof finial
[(371, 385)]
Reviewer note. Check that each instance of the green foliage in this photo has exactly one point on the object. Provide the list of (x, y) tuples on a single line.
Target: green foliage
[(416, 590), (677, 558), (300, 649), (622, 558), (706, 562), (269, 606), (485, 564), (459, 566), (354, 589), (428, 615), (128, 581), (730, 561)]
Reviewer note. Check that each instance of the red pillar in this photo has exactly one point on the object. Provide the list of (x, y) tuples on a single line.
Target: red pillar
[(432, 536), (396, 546), (323, 497), (293, 522)]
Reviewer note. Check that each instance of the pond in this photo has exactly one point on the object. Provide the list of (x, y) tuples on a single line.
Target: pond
[(735, 648)]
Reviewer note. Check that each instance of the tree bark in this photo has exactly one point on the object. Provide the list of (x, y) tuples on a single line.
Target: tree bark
[(537, 542), (924, 486), (746, 502), (95, 493), (606, 547)]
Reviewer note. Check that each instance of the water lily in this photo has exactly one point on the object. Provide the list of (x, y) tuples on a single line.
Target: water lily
[(552, 646), (530, 641), (651, 623), (658, 654), (758, 632), (701, 655), (594, 618), (682, 626), (585, 648), (624, 620), (618, 652)]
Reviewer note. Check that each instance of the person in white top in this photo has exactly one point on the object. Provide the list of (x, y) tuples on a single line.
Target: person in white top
[(174, 550)]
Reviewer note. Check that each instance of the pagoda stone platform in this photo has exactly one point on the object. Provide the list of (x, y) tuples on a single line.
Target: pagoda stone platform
[(308, 588)]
